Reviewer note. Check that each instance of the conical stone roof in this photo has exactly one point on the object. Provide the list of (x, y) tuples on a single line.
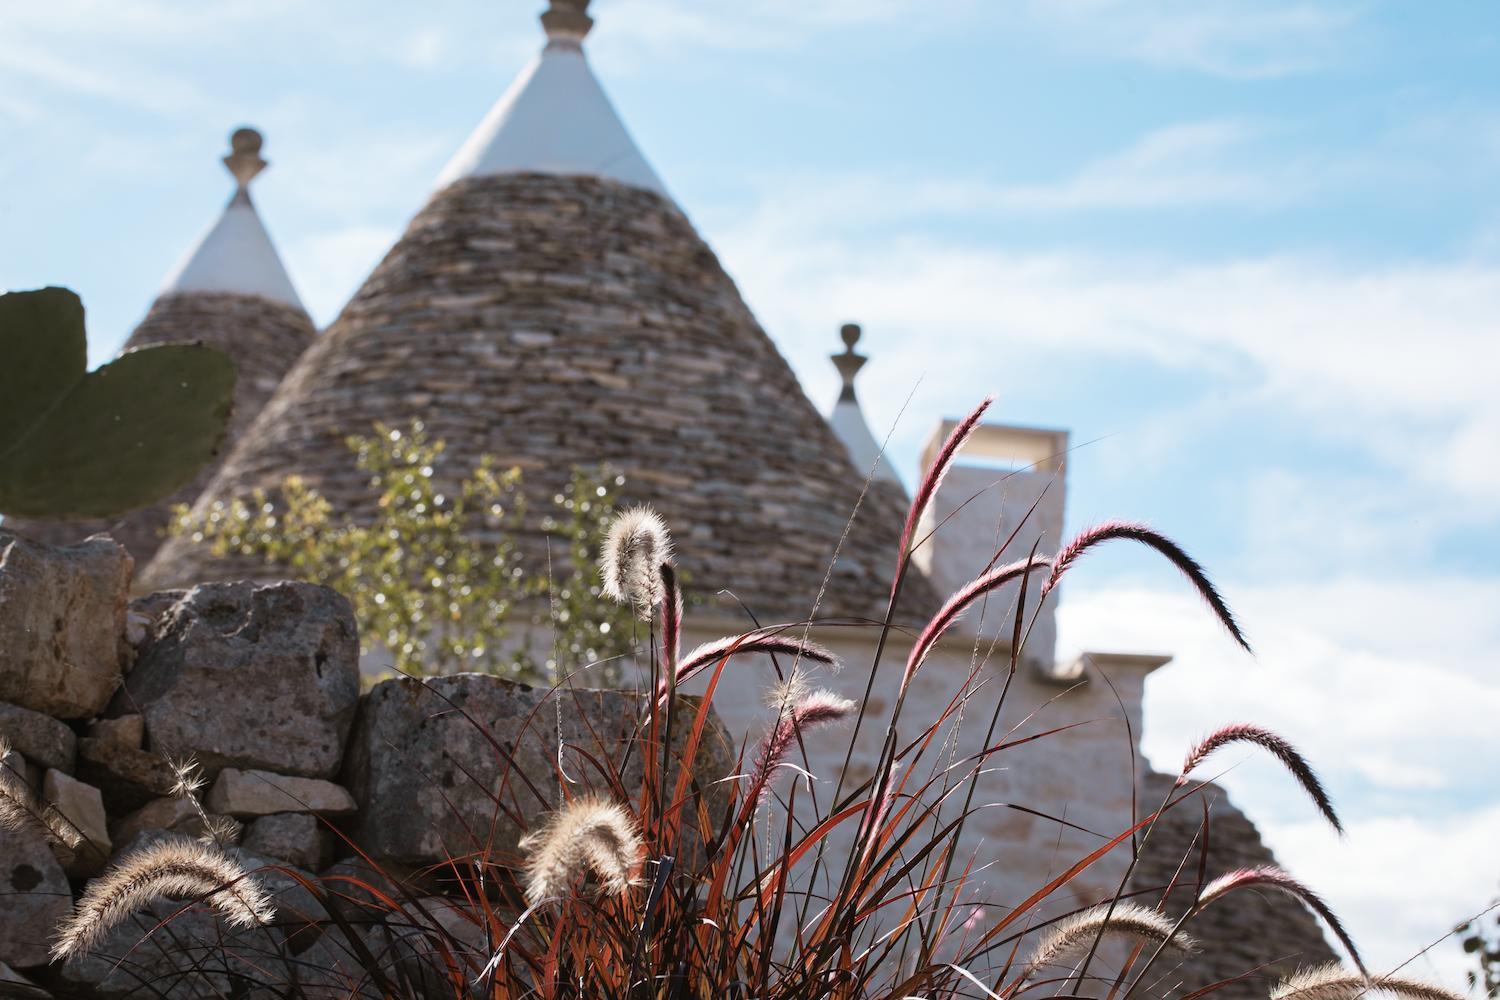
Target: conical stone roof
[(558, 316), (230, 291)]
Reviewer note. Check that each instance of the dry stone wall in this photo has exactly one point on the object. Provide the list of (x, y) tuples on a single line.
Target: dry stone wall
[(260, 685), (259, 682), (262, 338)]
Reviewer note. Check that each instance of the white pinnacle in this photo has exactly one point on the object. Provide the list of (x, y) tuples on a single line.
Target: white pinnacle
[(555, 118), (236, 254)]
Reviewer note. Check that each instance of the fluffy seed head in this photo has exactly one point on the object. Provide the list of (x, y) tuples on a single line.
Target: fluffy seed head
[(586, 833), (798, 711), (1070, 936), (1334, 982), (774, 642), (630, 564), (188, 778), (20, 810), (179, 869)]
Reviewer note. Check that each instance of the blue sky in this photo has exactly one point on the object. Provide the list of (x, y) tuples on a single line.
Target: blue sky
[(1249, 250)]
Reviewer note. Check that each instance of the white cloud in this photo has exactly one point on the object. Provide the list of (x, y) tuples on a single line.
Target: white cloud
[(1394, 360), (1234, 38), (1395, 710)]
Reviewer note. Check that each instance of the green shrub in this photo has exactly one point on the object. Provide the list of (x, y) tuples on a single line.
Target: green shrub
[(433, 576)]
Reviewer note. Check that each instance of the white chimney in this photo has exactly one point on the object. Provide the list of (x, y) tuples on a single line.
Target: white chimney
[(987, 496)]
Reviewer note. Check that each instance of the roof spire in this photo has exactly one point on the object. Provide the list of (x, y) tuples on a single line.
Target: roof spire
[(244, 160), (567, 22), (849, 363)]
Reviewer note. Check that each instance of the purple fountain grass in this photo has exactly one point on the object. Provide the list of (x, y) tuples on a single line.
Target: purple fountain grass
[(1334, 982), (956, 605), (1124, 918), (172, 869), (1110, 530), (630, 562), (799, 710), (1279, 748), (1268, 877), (774, 642), (671, 618), (933, 479), (586, 834)]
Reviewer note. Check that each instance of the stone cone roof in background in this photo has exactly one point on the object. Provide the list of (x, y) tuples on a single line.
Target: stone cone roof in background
[(558, 320), (228, 293), (1268, 928), (551, 306)]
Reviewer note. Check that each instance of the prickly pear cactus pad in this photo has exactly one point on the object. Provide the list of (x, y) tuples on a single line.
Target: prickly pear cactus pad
[(76, 444)]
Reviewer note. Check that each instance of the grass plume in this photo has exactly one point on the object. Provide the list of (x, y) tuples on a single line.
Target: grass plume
[(933, 478), (178, 869), (799, 710), (1072, 934), (1111, 530), (1268, 877), (1279, 748), (771, 642), (20, 809), (586, 834), (1334, 982), (637, 545)]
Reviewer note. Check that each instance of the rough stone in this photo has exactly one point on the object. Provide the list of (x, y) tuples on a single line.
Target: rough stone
[(37, 737), (262, 793), (425, 773), (241, 675), (36, 896), (62, 624), (127, 732), (82, 806), (297, 838), (127, 778), (16, 986), (168, 813)]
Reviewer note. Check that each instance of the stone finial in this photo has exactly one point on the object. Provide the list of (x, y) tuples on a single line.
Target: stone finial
[(567, 21), (244, 159), (850, 362)]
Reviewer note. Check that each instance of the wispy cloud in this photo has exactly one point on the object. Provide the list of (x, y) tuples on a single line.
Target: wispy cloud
[(1394, 360), (1232, 38)]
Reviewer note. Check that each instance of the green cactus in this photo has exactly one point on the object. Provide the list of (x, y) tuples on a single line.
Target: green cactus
[(78, 444)]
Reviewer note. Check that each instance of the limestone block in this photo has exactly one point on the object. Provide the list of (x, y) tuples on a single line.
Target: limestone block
[(127, 732), (262, 793), (242, 675), (13, 984), (36, 896), (128, 778), (427, 757), (167, 813), (82, 806), (37, 737), (297, 838), (62, 624)]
